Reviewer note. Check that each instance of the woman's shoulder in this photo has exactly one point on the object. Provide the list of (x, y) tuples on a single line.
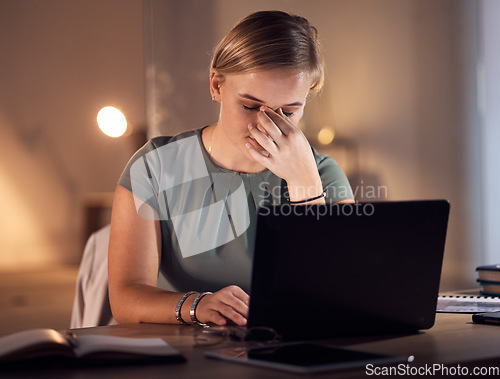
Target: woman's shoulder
[(323, 159), (163, 140), (155, 148)]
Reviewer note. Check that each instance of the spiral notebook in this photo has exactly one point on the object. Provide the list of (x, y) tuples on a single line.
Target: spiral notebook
[(467, 301)]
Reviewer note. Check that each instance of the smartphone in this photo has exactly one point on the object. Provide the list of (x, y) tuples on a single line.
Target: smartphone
[(304, 357), (487, 318)]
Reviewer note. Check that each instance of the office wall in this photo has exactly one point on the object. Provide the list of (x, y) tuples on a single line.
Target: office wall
[(61, 62), (489, 74), (400, 94)]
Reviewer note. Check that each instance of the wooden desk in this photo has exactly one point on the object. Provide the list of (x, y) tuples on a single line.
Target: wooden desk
[(453, 340)]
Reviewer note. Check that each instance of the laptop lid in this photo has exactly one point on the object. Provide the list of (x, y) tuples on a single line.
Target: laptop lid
[(348, 270)]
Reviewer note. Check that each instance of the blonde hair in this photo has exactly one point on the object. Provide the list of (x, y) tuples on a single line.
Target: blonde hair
[(269, 40)]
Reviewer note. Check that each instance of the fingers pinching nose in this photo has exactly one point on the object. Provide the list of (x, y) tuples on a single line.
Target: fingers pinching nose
[(264, 108)]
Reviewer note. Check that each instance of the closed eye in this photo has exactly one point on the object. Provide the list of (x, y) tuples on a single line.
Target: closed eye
[(250, 108), (253, 109)]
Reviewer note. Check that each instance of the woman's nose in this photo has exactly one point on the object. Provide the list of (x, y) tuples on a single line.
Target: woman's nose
[(266, 107)]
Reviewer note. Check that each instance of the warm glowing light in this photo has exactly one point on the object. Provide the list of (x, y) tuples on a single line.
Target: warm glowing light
[(112, 122), (326, 135)]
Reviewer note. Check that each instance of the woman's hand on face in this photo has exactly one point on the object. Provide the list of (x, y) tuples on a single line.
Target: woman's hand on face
[(230, 303), (283, 149)]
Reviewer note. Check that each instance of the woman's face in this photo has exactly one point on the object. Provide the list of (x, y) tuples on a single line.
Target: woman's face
[(241, 96)]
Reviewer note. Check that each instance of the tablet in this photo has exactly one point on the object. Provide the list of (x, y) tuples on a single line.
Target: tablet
[(305, 357)]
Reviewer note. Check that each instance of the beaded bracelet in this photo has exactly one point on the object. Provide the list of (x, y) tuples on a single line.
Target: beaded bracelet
[(179, 305), (308, 200), (192, 311)]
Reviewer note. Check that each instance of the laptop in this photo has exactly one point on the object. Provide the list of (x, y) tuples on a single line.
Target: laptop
[(348, 270)]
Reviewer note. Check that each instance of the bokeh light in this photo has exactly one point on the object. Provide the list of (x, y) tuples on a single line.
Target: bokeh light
[(326, 135), (112, 122)]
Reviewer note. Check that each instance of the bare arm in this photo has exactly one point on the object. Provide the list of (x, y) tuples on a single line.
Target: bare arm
[(133, 264)]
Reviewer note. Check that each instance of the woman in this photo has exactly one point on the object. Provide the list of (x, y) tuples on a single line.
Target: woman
[(185, 207)]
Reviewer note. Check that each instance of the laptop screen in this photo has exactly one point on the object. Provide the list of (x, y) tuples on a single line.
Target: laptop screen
[(353, 269)]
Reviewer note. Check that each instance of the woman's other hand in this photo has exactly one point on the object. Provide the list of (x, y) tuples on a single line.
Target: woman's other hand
[(230, 303)]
